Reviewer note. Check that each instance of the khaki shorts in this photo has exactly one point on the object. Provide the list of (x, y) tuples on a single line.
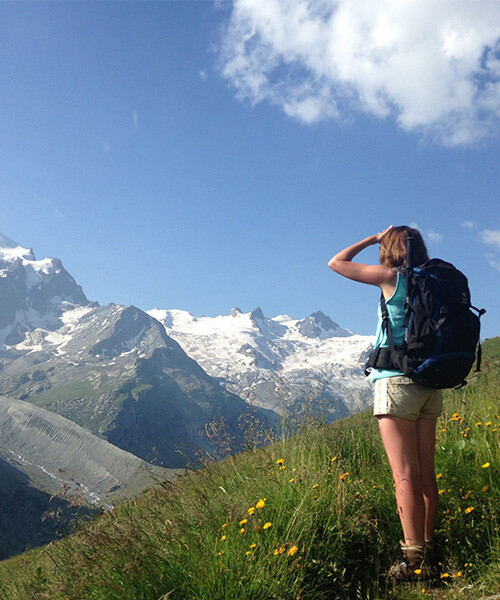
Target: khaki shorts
[(401, 397)]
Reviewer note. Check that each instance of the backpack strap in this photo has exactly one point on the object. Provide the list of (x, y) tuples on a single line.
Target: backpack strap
[(480, 313)]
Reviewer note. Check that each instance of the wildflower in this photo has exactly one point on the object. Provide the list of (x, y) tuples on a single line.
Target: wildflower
[(333, 459), (267, 525), (243, 521), (315, 486), (417, 571), (253, 546), (225, 525), (485, 489), (242, 530), (488, 423), (223, 538), (342, 477), (251, 510), (261, 503), (276, 552), (486, 465), (441, 491), (292, 479), (293, 550), (467, 495), (248, 552), (469, 510), (439, 476), (280, 461), (444, 575), (477, 424)]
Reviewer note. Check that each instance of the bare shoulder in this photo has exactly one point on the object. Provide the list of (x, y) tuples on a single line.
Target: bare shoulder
[(378, 275)]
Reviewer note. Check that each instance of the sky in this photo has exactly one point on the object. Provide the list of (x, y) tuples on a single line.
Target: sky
[(204, 155)]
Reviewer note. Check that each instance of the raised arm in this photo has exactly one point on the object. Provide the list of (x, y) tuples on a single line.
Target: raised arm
[(379, 275)]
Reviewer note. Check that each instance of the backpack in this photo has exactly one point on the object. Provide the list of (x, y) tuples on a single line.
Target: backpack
[(441, 327)]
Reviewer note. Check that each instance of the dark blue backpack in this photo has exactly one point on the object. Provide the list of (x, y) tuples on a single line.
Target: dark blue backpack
[(441, 327)]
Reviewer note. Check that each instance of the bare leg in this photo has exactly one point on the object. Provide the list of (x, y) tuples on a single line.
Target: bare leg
[(401, 442), (426, 440)]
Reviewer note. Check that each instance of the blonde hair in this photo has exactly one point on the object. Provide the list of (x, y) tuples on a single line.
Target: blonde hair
[(393, 247)]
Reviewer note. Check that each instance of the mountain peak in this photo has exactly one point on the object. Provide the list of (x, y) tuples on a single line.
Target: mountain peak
[(9, 249), (257, 314), (318, 325)]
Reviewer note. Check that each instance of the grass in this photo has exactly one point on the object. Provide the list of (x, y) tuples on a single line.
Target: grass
[(311, 516)]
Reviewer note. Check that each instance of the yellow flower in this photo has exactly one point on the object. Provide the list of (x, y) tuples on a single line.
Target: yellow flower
[(261, 503), (486, 465), (292, 479), (276, 552), (223, 538), (253, 545), (417, 571), (334, 459), (248, 552), (293, 550), (477, 424), (469, 510), (485, 489), (467, 495), (242, 530), (280, 461), (439, 476), (315, 486), (342, 477), (251, 510), (243, 521), (444, 575), (488, 423), (441, 491), (225, 525), (267, 525)]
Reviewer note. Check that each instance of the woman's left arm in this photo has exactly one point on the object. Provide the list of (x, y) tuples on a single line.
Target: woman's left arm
[(378, 275)]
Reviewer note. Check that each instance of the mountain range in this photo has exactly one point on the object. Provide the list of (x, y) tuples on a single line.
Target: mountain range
[(92, 395)]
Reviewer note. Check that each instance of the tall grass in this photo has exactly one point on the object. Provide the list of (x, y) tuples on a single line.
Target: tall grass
[(312, 516)]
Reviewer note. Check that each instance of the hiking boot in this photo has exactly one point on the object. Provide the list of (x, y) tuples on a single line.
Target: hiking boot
[(413, 565)]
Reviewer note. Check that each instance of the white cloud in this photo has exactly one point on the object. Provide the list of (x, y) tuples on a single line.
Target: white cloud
[(135, 119), (494, 261), (429, 235), (468, 225), (433, 66), (433, 236), (491, 236)]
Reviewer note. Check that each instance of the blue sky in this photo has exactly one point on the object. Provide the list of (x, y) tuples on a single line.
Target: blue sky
[(206, 155)]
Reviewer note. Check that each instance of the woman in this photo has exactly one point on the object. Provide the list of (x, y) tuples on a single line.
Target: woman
[(406, 411)]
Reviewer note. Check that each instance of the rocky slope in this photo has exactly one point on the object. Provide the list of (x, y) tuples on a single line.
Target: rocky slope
[(51, 470)]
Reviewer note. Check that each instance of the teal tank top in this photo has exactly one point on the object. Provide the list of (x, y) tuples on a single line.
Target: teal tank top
[(397, 312)]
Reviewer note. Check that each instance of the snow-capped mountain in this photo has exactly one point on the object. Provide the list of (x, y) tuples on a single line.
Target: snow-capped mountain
[(278, 362), (33, 293), (110, 369)]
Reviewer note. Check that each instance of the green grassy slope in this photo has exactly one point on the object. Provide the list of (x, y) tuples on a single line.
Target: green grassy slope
[(309, 517)]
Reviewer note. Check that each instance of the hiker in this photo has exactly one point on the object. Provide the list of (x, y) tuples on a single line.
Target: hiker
[(407, 412)]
